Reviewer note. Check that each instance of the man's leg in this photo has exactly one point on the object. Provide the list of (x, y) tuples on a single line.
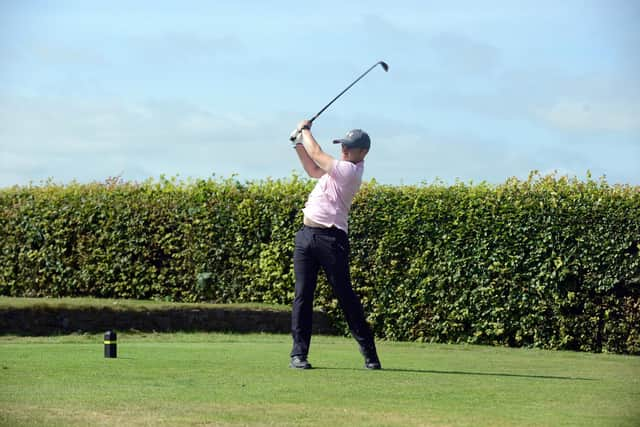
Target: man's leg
[(306, 269), (335, 262)]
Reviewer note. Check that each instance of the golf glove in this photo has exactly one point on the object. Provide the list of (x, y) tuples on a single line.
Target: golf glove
[(296, 138)]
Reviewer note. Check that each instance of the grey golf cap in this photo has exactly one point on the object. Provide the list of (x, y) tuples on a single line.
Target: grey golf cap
[(356, 138)]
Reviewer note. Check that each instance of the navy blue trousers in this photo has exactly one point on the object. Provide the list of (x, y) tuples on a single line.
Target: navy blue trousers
[(326, 248)]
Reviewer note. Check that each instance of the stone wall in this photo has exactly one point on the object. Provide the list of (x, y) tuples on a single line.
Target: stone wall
[(39, 321)]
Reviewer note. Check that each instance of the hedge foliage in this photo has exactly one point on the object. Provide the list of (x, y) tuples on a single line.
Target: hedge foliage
[(549, 262)]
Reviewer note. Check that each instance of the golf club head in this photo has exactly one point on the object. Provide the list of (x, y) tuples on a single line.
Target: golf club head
[(385, 66)]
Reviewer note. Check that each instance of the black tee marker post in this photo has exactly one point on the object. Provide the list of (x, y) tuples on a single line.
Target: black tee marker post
[(110, 345)]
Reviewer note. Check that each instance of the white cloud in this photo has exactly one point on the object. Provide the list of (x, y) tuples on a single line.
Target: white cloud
[(185, 48), (586, 116), (90, 141), (459, 53), (68, 139), (58, 54), (205, 123)]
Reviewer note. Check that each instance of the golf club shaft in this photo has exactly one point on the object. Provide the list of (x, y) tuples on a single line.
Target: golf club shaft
[(347, 88), (381, 63)]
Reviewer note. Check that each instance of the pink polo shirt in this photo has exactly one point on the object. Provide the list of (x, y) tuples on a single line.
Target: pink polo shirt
[(330, 201)]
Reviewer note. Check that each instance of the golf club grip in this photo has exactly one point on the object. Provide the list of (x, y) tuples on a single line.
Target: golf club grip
[(295, 133)]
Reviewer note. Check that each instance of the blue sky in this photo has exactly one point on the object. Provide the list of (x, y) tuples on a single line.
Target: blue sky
[(476, 91)]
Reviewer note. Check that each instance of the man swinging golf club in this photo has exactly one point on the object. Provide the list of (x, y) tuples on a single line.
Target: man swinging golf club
[(323, 243)]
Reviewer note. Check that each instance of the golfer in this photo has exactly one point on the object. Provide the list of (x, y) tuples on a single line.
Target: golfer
[(323, 243)]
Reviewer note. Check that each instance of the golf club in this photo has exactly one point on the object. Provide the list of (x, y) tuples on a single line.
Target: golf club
[(384, 66)]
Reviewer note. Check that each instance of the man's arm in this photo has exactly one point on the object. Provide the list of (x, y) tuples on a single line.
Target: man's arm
[(309, 165), (319, 157)]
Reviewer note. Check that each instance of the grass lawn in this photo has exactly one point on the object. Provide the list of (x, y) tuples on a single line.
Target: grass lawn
[(226, 379)]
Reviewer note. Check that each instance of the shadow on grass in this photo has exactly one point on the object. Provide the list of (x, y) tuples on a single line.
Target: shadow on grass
[(483, 374)]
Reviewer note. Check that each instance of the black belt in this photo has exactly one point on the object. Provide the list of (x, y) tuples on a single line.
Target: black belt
[(331, 231)]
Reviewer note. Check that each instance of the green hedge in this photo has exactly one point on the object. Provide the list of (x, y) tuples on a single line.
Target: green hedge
[(549, 262)]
